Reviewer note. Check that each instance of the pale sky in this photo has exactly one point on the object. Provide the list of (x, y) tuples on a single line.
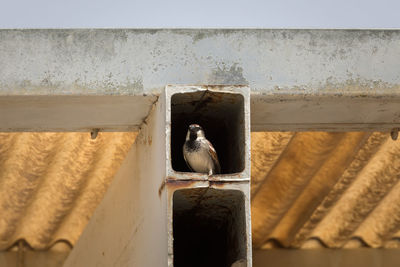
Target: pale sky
[(199, 14)]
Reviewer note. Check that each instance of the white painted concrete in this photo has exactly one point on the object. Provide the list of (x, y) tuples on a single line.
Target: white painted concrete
[(73, 113), (129, 227)]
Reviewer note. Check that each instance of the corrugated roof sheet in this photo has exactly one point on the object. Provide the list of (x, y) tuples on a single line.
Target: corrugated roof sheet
[(319, 189), (309, 189), (50, 183)]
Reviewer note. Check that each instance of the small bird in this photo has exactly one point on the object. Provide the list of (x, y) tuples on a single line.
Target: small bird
[(199, 153)]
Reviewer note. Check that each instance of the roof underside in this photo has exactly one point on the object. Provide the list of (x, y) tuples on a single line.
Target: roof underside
[(309, 189)]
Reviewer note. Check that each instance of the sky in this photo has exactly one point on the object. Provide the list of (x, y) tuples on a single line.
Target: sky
[(199, 14)]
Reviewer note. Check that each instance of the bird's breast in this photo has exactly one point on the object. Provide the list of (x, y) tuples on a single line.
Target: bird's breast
[(199, 161)]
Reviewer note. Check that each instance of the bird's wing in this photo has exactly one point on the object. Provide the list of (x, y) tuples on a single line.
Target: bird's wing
[(214, 156)]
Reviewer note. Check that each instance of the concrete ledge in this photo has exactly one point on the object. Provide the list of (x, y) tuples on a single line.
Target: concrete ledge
[(291, 73)]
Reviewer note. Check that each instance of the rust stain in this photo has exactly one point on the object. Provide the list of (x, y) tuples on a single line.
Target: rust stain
[(175, 183), (188, 176), (161, 189)]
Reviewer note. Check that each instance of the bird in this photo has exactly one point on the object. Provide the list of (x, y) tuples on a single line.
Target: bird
[(199, 153)]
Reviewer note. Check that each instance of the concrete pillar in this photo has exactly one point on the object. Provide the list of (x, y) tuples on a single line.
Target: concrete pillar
[(156, 212)]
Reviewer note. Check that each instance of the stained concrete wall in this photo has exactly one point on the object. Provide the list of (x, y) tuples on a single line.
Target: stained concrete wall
[(319, 71), (139, 62)]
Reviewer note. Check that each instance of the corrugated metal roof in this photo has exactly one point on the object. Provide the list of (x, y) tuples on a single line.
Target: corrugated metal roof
[(319, 189), (309, 189), (50, 183)]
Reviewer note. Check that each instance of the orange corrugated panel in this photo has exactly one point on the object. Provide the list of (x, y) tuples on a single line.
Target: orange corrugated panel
[(336, 190), (309, 189), (50, 183)]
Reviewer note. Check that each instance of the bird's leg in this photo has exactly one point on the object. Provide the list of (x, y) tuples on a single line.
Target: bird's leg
[(210, 172)]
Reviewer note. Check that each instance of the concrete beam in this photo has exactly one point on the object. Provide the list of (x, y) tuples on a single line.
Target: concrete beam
[(299, 79), (73, 113)]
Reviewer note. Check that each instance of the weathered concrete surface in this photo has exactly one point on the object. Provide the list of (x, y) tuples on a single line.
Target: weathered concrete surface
[(129, 227), (73, 113), (356, 68)]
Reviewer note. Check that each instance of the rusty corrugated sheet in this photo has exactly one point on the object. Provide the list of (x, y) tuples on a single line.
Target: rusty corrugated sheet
[(309, 189), (50, 183)]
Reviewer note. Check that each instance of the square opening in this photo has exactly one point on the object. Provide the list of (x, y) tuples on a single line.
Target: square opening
[(221, 115), (209, 227)]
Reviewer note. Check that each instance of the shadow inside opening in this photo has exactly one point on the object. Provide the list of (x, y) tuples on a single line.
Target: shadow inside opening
[(221, 115), (209, 227)]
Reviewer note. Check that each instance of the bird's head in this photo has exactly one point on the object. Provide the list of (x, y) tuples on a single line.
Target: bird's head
[(195, 131)]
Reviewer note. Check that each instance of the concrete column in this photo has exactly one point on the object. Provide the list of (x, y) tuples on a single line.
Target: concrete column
[(156, 212)]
